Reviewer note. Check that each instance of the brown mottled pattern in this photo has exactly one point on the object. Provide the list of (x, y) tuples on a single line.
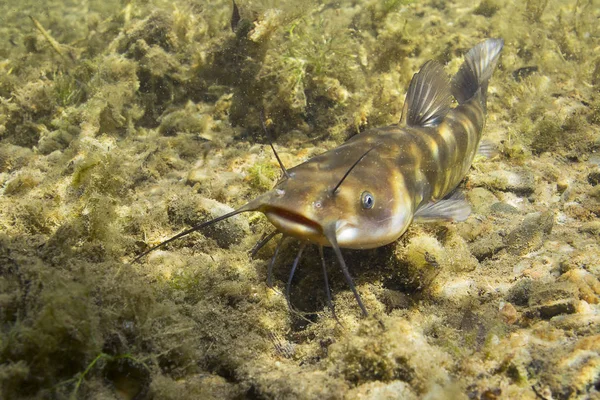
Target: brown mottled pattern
[(431, 160)]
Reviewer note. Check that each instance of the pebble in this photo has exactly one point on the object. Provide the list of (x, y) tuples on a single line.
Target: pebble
[(382, 390), (594, 192), (561, 185), (592, 227), (487, 246), (586, 283), (481, 199), (594, 177), (509, 313), (228, 232), (503, 208), (530, 234), (519, 181), (520, 293), (550, 300), (197, 175)]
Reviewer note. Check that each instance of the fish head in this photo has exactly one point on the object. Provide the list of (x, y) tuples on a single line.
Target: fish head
[(366, 210)]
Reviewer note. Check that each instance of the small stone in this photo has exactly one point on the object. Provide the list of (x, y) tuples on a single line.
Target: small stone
[(487, 8), (592, 227), (547, 301), (197, 175), (554, 308), (487, 246), (530, 234), (503, 208), (192, 212), (394, 299), (228, 232), (561, 185), (594, 192), (519, 181), (509, 313), (381, 390), (587, 284), (594, 178), (481, 199), (520, 293)]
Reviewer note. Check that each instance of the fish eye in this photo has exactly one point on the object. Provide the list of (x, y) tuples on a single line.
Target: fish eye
[(367, 200)]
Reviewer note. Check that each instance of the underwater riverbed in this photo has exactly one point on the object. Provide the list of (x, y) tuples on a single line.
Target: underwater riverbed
[(123, 123)]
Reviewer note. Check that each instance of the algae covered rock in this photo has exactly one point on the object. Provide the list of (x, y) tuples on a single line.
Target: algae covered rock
[(191, 212), (530, 234)]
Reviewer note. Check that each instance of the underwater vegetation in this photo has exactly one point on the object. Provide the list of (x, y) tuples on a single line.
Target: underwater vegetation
[(124, 123)]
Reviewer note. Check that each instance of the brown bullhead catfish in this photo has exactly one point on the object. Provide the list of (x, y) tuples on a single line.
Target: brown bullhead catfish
[(366, 192)]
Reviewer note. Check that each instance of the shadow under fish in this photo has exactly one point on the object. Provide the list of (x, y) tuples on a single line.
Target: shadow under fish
[(366, 192)]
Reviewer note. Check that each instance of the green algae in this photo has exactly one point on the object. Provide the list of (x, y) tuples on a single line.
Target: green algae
[(98, 142)]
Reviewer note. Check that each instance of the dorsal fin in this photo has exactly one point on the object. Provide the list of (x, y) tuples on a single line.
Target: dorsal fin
[(476, 70), (428, 98)]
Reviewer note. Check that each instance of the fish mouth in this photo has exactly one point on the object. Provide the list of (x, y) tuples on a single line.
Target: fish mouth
[(297, 225)]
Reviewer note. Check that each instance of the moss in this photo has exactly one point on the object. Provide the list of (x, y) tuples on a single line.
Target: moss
[(487, 8), (262, 176), (101, 172), (13, 157), (594, 115), (548, 134), (190, 119), (424, 257), (569, 136), (534, 9), (38, 216), (596, 73), (210, 387), (57, 337), (22, 183), (69, 89)]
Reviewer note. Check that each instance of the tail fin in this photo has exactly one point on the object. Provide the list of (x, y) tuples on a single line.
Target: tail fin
[(475, 72)]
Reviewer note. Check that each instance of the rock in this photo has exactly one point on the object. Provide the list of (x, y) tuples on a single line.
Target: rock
[(422, 255), (547, 301), (594, 178), (586, 283), (520, 181), (382, 390), (487, 8), (508, 313), (481, 199), (562, 185), (487, 246), (197, 175), (530, 234), (228, 232), (503, 208), (519, 294), (579, 324), (592, 227), (394, 299), (192, 212), (594, 192)]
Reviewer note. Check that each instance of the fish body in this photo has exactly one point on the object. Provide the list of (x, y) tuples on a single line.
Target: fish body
[(366, 192), (409, 169)]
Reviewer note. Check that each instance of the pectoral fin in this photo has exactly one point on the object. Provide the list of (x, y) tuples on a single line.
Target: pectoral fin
[(487, 149), (452, 209)]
